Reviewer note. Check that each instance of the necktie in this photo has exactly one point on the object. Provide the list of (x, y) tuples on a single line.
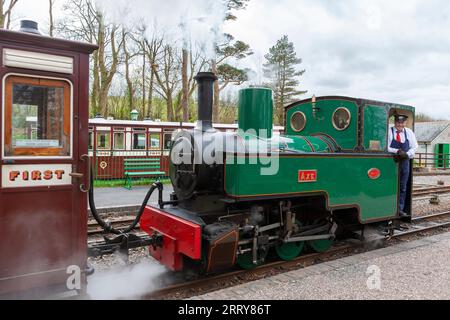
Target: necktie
[(399, 139)]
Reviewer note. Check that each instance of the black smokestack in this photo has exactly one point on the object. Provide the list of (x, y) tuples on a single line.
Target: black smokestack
[(205, 82), (29, 26)]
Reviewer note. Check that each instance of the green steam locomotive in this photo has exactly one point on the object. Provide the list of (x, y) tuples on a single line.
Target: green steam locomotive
[(240, 196)]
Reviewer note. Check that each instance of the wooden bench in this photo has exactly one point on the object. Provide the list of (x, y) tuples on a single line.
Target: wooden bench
[(139, 168)]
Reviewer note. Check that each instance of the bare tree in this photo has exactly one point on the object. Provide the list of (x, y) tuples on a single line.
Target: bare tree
[(185, 85), (51, 30), (6, 10), (130, 52), (86, 22), (107, 62), (148, 51), (152, 49), (167, 78), (192, 63)]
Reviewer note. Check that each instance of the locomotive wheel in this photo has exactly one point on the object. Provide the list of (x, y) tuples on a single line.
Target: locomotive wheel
[(290, 251), (321, 245)]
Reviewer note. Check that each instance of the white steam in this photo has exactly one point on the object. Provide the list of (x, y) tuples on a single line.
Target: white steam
[(196, 23), (125, 283)]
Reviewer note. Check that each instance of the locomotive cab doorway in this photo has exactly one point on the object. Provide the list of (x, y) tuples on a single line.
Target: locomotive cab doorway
[(43, 163), (410, 125)]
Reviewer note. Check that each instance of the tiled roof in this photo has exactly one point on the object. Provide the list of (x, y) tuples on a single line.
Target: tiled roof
[(428, 131)]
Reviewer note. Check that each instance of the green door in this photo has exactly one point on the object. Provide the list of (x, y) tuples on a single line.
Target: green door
[(445, 153), (437, 156), (442, 156)]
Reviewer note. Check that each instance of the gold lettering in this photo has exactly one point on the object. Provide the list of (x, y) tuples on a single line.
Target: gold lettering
[(13, 175), (48, 175), (59, 174), (36, 175)]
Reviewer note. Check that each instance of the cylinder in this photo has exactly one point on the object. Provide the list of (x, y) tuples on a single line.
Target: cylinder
[(256, 111), (205, 82)]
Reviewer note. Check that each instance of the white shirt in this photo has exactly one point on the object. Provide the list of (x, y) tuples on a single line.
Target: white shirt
[(412, 141)]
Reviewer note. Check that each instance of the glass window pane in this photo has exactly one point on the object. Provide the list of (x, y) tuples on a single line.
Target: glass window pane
[(103, 140), (298, 121), (119, 141), (139, 142), (39, 123), (341, 119), (167, 140), (91, 140), (155, 142)]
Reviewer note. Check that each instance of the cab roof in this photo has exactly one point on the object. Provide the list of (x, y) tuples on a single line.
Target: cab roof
[(359, 101)]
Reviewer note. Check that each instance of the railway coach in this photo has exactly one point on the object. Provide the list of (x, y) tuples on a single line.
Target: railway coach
[(111, 142), (44, 178)]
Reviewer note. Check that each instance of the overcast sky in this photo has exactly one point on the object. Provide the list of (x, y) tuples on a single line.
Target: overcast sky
[(396, 51)]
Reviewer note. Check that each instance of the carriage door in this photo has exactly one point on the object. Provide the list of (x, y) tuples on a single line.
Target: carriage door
[(40, 186)]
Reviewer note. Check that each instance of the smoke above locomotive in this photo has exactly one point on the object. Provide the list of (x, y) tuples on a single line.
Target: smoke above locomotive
[(254, 142), (196, 24), (205, 145)]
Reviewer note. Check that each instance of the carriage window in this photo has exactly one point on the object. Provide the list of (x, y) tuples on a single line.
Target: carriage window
[(119, 141), (298, 121), (167, 141), (342, 119), (103, 140), (39, 113), (155, 141), (139, 142)]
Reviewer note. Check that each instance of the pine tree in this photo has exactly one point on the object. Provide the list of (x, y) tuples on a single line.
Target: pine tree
[(280, 68)]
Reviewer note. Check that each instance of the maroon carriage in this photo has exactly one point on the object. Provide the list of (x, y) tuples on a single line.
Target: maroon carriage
[(113, 142), (43, 173)]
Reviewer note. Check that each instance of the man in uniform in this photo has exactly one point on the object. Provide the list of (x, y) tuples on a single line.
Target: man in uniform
[(403, 143)]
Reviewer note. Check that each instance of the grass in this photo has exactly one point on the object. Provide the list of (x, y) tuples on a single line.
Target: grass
[(121, 183)]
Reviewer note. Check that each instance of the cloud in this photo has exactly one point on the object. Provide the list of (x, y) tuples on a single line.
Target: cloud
[(386, 50), (397, 51)]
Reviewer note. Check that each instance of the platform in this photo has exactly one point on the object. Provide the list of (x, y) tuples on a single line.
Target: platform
[(121, 197), (410, 270)]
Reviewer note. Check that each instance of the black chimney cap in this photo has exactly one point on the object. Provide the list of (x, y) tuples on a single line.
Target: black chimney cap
[(29, 26), (206, 76)]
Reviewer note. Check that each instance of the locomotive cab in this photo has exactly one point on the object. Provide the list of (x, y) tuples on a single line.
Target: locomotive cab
[(358, 126)]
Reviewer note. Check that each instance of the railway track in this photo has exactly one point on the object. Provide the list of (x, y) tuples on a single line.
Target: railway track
[(419, 225), (123, 222), (431, 191), (117, 223)]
